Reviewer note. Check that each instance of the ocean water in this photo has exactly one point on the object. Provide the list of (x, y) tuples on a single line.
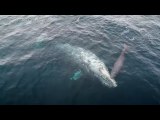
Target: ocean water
[(34, 72)]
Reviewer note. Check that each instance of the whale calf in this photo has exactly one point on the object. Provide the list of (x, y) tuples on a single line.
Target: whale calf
[(119, 63), (89, 61)]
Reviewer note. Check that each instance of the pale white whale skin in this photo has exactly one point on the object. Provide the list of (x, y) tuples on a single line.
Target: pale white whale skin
[(90, 61)]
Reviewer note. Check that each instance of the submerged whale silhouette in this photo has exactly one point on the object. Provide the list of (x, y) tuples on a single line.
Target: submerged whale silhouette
[(92, 63)]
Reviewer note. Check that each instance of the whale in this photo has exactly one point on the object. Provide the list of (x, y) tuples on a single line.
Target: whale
[(89, 61), (119, 62)]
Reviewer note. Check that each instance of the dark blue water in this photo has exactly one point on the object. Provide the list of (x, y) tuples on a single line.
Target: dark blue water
[(33, 71)]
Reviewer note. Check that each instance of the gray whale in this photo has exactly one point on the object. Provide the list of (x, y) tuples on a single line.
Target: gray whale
[(90, 61)]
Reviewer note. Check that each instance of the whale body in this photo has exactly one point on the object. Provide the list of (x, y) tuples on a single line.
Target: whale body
[(89, 61)]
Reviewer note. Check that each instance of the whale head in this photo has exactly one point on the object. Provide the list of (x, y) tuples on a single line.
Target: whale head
[(105, 78)]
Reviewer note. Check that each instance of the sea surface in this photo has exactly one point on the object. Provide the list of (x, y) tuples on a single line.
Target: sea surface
[(34, 72)]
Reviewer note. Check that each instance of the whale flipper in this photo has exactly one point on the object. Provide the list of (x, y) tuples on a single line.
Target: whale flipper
[(119, 63), (125, 49), (76, 75)]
